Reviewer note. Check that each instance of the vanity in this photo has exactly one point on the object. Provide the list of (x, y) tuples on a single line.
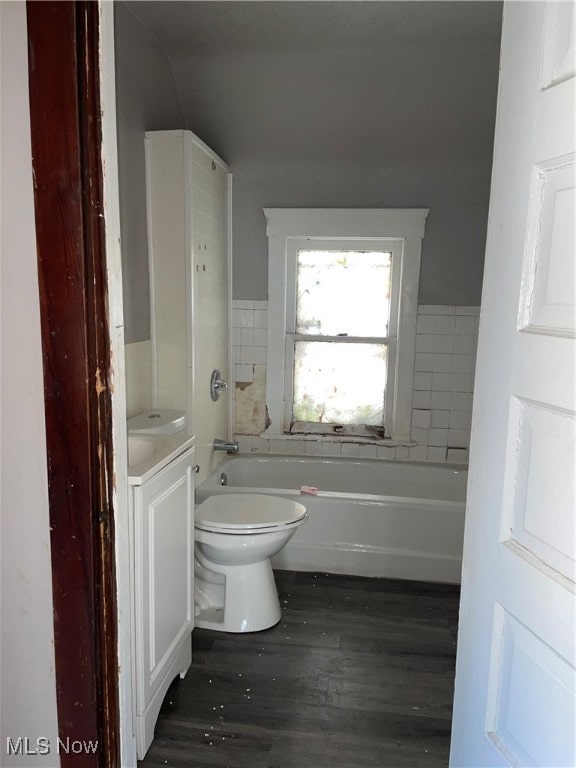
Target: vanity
[(161, 480)]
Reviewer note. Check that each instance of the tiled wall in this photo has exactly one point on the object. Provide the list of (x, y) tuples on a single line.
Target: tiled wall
[(444, 364), (445, 357)]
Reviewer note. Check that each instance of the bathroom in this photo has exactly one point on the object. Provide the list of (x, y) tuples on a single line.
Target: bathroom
[(306, 137), (378, 688)]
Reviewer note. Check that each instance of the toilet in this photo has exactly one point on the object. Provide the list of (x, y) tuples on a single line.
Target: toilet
[(236, 534)]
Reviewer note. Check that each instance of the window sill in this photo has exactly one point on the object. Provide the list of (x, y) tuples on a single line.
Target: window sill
[(320, 438)]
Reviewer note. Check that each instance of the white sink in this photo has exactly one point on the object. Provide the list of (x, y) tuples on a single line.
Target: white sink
[(140, 448)]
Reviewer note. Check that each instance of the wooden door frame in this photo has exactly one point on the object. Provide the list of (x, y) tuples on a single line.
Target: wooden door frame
[(65, 114)]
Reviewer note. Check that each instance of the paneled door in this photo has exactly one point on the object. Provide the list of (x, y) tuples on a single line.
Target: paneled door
[(514, 701)]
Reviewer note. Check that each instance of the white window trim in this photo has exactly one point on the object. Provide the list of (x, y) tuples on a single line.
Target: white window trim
[(286, 224)]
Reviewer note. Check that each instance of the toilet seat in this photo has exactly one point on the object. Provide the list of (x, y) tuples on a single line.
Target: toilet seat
[(247, 513)]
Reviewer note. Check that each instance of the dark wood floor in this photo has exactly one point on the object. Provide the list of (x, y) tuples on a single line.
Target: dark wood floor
[(359, 672)]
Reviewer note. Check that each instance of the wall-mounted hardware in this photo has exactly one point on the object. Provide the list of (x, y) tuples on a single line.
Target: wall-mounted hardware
[(217, 385), (230, 446)]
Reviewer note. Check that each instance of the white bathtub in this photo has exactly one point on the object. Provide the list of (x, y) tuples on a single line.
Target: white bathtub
[(370, 518)]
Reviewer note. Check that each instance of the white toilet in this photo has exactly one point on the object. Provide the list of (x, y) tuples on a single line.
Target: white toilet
[(236, 534)]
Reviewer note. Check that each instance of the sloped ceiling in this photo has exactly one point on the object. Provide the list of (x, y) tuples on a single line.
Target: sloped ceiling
[(264, 81)]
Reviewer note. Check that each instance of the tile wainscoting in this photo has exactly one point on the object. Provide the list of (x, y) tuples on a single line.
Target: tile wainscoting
[(446, 339)]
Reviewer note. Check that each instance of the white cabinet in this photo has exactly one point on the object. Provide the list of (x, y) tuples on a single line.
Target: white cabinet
[(188, 203), (163, 587)]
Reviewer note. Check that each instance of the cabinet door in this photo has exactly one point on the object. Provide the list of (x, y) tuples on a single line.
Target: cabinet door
[(164, 572)]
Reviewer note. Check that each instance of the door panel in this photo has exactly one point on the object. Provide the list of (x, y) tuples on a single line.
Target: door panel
[(514, 701)]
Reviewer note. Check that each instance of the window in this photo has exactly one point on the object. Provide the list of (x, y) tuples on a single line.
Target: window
[(342, 315)]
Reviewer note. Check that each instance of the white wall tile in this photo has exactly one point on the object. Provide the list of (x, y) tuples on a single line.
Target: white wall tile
[(423, 361), (460, 401), (444, 343), (442, 388), (425, 324), (438, 437), (465, 345), (462, 382), (419, 435), (246, 354), (331, 449), (296, 447), (260, 337), (367, 451), (457, 455), (420, 419), (436, 454), (422, 381), (260, 318), (441, 382), (244, 373), (445, 324), (418, 453), (442, 363), (440, 419), (425, 342), (421, 399), (458, 438), (259, 355), (466, 326), (467, 310), (460, 419), (244, 443), (464, 363), (278, 446), (260, 445), (440, 400)]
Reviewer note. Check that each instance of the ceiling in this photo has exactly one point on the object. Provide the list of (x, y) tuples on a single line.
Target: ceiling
[(279, 26), (317, 82)]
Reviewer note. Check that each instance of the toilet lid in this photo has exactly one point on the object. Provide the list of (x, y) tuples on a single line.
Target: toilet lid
[(237, 511)]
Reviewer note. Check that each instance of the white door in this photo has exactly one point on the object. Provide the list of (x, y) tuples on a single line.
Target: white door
[(514, 701)]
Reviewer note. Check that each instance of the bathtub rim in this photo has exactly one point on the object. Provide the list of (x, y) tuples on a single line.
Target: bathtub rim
[(367, 499)]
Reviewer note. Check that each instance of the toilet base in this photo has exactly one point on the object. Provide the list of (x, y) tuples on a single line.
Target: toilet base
[(231, 598)]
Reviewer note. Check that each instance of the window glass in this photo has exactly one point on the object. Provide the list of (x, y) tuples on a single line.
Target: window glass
[(339, 382), (343, 292)]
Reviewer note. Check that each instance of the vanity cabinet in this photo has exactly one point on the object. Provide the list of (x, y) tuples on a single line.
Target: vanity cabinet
[(163, 587)]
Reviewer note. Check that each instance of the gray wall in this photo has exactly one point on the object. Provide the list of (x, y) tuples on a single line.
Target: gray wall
[(345, 104), (147, 100)]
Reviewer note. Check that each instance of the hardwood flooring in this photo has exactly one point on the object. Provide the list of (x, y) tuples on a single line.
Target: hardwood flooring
[(359, 672)]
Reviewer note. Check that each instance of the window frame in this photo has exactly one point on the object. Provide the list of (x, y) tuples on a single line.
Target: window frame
[(287, 226), (293, 247)]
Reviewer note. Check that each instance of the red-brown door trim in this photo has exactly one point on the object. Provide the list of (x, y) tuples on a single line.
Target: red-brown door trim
[(63, 40)]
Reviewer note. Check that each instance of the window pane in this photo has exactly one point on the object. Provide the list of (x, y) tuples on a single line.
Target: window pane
[(339, 383), (343, 292)]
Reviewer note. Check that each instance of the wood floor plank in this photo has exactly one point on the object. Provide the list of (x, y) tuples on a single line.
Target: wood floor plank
[(359, 672)]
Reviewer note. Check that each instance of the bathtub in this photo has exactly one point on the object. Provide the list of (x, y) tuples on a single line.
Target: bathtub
[(370, 518)]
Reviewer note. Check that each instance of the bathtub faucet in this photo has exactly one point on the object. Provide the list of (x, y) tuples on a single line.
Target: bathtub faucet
[(230, 446)]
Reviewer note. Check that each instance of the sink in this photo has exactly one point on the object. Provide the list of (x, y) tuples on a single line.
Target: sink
[(140, 448)]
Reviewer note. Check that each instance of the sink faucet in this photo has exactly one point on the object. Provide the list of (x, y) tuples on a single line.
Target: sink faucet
[(230, 446)]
